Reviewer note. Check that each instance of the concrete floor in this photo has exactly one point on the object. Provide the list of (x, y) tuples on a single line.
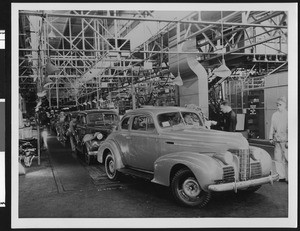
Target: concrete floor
[(63, 186)]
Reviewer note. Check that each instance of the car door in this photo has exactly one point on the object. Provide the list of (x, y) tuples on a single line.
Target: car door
[(123, 137), (143, 143)]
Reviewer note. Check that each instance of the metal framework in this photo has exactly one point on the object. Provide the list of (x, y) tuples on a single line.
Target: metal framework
[(94, 54)]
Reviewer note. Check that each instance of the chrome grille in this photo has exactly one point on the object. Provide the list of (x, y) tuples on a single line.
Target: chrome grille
[(244, 159), (256, 171), (228, 174)]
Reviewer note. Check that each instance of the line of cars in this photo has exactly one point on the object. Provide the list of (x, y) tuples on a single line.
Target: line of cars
[(158, 144), (92, 128)]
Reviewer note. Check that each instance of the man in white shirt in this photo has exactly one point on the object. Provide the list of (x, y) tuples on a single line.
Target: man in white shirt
[(279, 137)]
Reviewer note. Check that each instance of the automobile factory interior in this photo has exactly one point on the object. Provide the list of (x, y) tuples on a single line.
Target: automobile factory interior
[(131, 103)]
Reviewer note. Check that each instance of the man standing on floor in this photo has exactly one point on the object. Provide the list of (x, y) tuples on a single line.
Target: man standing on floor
[(71, 132), (279, 137), (230, 119)]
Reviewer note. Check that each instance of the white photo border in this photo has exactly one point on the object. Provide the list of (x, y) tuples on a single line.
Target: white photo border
[(290, 221)]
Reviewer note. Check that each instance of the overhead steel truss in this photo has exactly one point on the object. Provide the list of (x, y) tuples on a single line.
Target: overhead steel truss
[(90, 47)]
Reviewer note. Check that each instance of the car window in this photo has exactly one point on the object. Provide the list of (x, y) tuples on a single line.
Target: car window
[(179, 119), (103, 118), (125, 123), (169, 119), (191, 118), (143, 123), (95, 117), (110, 118)]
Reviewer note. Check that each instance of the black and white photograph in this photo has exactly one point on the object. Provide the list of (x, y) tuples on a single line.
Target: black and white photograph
[(143, 115)]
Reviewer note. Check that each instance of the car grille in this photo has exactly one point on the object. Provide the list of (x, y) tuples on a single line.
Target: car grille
[(247, 170), (244, 157), (228, 174), (255, 170)]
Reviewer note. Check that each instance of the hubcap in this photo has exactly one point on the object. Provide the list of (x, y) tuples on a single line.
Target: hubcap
[(111, 166), (191, 187)]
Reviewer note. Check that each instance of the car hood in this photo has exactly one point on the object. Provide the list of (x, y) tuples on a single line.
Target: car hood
[(208, 140)]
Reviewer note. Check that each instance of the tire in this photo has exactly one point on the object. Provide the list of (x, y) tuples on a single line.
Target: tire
[(249, 190), (110, 167), (187, 191), (87, 157)]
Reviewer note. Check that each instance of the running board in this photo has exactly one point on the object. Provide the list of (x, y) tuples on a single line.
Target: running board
[(139, 174)]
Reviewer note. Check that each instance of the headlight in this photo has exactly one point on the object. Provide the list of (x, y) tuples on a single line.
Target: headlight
[(225, 157), (99, 136)]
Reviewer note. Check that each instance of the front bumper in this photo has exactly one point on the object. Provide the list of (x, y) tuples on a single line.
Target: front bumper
[(243, 184)]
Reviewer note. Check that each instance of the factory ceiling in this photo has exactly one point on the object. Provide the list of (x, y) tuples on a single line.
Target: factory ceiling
[(78, 51)]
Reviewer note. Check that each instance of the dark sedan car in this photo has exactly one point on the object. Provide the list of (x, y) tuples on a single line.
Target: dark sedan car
[(92, 128)]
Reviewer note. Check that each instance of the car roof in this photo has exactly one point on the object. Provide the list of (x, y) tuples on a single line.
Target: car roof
[(155, 110), (95, 111)]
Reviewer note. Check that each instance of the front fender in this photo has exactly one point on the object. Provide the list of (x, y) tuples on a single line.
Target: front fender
[(264, 158), (110, 146), (205, 168), (91, 142)]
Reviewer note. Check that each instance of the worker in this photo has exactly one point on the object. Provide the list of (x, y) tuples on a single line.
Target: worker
[(279, 137), (230, 118), (71, 132)]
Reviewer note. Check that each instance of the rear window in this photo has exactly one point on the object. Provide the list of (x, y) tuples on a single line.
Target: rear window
[(99, 118)]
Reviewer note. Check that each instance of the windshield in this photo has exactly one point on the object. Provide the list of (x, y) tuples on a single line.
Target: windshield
[(179, 119), (103, 118)]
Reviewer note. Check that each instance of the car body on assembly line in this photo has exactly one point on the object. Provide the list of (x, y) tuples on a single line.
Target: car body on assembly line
[(92, 128), (159, 144)]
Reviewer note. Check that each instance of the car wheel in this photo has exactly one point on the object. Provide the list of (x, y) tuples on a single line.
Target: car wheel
[(87, 157), (250, 189), (110, 167), (187, 191)]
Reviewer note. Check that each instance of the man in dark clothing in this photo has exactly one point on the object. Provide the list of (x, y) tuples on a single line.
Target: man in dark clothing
[(230, 119)]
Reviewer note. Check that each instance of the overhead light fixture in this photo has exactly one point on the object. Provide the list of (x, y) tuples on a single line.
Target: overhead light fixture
[(34, 77), (50, 68), (51, 35), (178, 81), (41, 94), (47, 82), (222, 71)]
